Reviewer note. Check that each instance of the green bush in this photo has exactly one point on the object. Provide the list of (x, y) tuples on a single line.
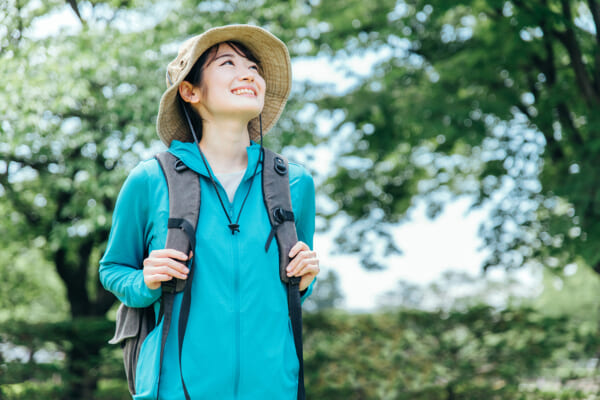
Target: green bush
[(481, 353)]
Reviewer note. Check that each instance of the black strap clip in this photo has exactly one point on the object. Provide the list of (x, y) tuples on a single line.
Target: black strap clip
[(279, 216), (185, 226)]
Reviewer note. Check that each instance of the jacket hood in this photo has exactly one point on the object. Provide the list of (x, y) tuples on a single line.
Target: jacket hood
[(189, 153)]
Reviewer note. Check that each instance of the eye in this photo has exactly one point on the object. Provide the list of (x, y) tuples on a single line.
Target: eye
[(254, 67), (227, 62)]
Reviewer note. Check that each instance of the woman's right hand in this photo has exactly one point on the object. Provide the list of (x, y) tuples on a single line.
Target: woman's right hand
[(162, 265)]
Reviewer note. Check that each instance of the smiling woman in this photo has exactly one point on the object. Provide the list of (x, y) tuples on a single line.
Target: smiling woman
[(225, 89)]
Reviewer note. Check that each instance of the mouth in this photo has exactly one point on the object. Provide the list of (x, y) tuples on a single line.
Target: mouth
[(245, 91)]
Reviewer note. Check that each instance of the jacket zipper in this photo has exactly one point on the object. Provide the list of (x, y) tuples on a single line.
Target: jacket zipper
[(236, 295)]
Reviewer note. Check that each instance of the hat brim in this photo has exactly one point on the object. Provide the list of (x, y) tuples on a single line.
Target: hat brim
[(276, 69)]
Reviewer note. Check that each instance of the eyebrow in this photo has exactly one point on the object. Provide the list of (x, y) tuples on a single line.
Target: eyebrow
[(223, 55), (227, 55)]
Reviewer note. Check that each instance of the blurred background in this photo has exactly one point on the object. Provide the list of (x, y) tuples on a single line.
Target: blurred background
[(453, 145)]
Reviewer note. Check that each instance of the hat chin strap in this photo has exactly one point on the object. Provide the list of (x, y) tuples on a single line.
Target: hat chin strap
[(189, 121), (261, 134)]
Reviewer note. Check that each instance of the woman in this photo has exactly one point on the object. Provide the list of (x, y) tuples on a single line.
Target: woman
[(225, 89)]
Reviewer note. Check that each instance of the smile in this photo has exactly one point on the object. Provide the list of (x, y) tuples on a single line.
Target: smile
[(244, 91)]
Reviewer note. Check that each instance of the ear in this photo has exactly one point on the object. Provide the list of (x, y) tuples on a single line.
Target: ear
[(189, 93)]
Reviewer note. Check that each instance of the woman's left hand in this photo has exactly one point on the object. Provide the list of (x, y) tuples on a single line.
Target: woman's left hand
[(305, 263)]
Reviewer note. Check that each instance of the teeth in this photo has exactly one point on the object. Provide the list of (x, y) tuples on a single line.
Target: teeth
[(243, 91)]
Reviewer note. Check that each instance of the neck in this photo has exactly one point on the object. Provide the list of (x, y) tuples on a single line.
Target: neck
[(224, 145)]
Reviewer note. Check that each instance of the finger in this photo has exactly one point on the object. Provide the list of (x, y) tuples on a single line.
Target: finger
[(299, 246), (308, 278), (304, 255), (154, 281), (160, 278), (306, 281), (168, 253), (304, 267), (168, 271), (160, 262), (309, 268)]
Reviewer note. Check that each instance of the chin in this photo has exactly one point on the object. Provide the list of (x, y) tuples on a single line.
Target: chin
[(249, 113)]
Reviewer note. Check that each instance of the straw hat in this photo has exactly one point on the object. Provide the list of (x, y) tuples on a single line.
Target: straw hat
[(276, 70)]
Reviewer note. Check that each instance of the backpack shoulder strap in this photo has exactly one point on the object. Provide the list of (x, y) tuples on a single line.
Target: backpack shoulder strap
[(276, 193), (183, 209), (278, 200)]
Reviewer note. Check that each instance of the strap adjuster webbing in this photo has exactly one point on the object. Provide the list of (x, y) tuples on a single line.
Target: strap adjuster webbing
[(295, 314), (186, 226), (280, 216)]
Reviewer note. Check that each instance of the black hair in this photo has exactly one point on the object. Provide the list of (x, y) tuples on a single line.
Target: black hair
[(195, 78)]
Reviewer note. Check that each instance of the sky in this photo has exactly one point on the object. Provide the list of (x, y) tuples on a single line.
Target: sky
[(430, 247)]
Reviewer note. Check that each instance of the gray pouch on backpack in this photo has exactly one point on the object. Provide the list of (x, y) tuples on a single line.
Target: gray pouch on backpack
[(132, 327)]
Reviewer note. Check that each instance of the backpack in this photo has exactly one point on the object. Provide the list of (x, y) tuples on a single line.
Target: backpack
[(134, 324)]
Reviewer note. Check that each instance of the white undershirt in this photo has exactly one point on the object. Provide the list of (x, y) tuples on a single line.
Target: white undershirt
[(230, 182)]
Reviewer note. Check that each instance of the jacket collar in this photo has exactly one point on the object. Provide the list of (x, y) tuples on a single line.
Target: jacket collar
[(189, 153)]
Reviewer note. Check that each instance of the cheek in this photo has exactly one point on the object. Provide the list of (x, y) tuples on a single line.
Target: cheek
[(261, 81), (262, 84), (203, 91)]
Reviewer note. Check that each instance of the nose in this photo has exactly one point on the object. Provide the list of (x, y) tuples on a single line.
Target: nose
[(247, 77)]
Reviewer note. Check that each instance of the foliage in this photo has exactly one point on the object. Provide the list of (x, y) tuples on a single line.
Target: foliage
[(573, 293), (480, 353), (466, 97), (492, 99), (400, 354)]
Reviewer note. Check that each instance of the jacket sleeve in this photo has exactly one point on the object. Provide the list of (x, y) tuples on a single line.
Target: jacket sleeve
[(121, 266), (302, 189)]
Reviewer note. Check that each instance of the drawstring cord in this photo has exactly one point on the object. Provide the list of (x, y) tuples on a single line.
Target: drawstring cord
[(235, 227)]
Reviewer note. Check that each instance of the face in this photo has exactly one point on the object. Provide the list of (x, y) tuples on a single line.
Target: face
[(231, 87)]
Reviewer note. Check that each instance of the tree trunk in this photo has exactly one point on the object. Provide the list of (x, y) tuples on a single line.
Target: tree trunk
[(87, 331), (450, 391), (82, 380)]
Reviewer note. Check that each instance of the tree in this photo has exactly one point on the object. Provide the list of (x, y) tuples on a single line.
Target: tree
[(492, 99), (77, 113)]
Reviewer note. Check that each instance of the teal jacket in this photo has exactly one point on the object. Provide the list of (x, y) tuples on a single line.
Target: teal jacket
[(238, 343)]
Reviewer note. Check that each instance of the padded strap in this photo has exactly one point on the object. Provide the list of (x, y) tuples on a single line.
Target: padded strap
[(276, 193), (184, 208), (180, 180)]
